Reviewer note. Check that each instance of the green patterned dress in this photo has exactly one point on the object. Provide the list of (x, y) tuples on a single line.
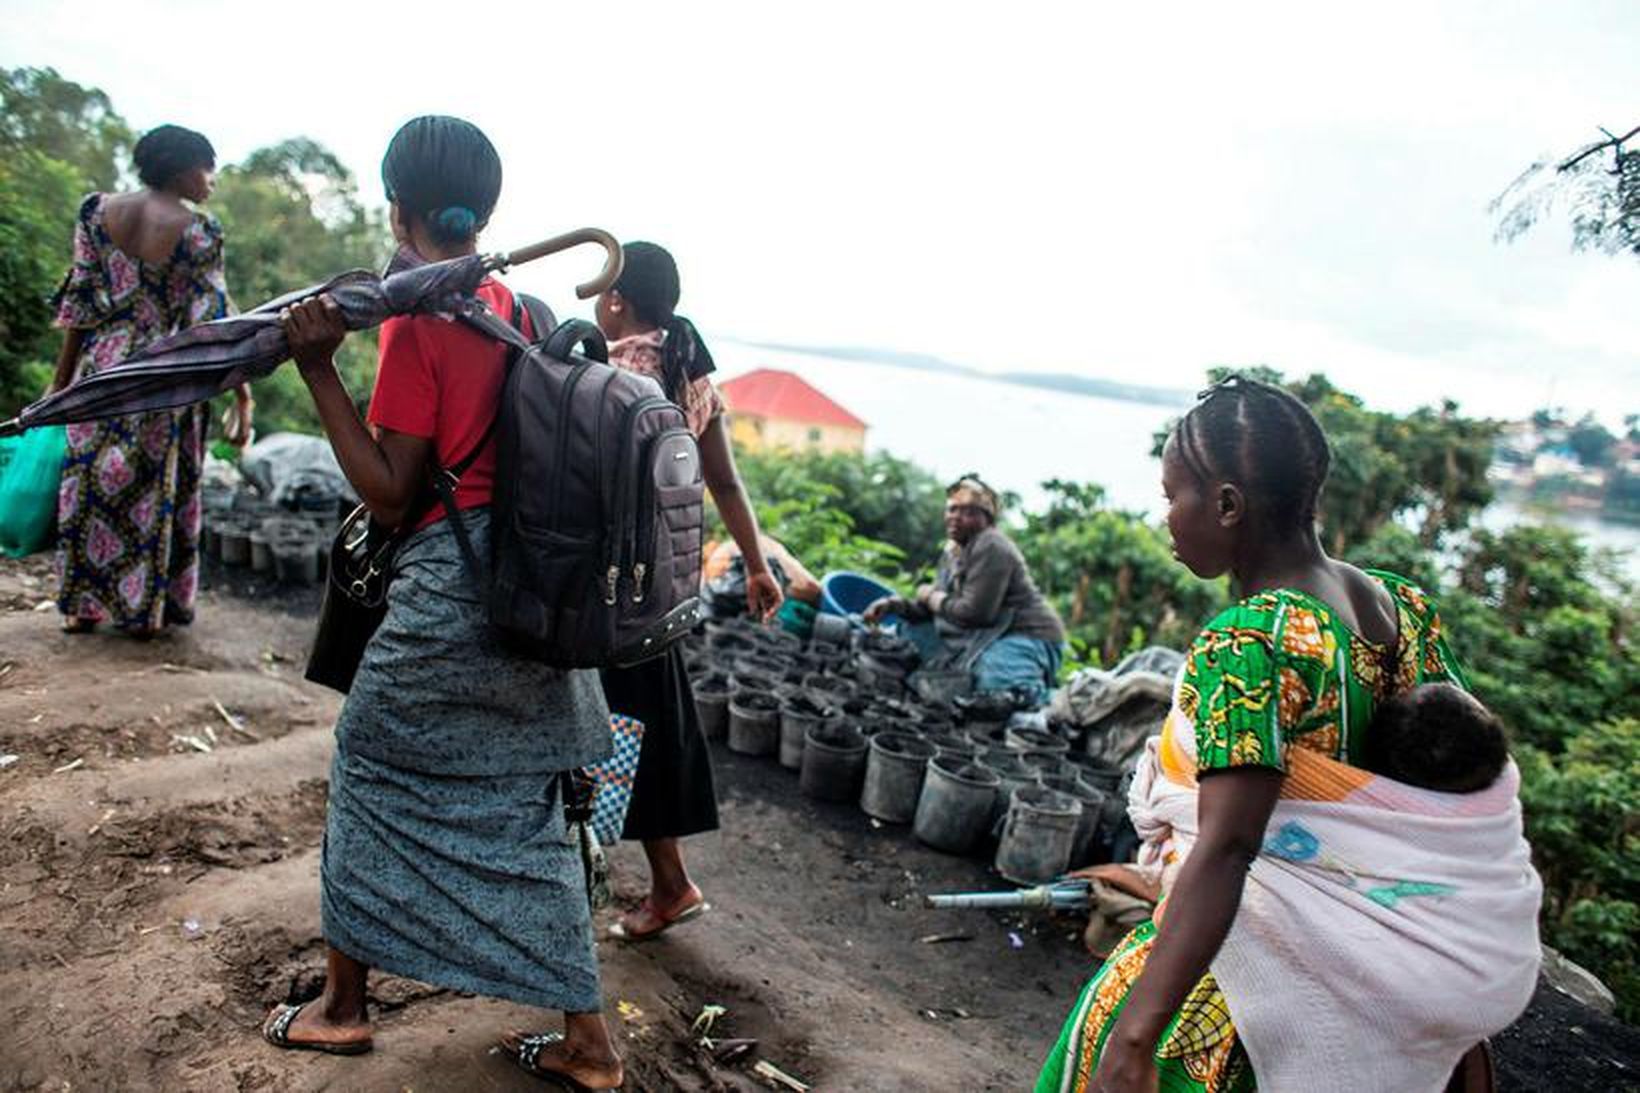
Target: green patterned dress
[(1284, 647)]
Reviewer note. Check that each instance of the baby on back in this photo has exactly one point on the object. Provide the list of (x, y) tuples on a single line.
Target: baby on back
[(1437, 736)]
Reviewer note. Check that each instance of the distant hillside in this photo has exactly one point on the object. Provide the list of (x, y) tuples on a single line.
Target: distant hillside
[(1051, 381), (1098, 388)]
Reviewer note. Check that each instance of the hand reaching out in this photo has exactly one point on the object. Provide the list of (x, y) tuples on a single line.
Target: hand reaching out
[(763, 596)]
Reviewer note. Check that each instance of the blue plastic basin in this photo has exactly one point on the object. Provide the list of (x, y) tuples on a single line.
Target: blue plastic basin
[(844, 593)]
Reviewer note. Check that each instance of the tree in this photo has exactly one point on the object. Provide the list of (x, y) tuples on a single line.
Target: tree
[(59, 141), (1580, 818), (1592, 442), (1111, 575), (1623, 495), (291, 216), (37, 203), (1543, 627), (1599, 187), (887, 499), (291, 213), (803, 501), (43, 113), (1450, 455), (1431, 463)]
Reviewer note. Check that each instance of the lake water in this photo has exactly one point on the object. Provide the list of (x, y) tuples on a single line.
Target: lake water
[(1018, 437), (1015, 437)]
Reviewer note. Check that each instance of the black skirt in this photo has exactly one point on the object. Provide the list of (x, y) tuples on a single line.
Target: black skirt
[(672, 794)]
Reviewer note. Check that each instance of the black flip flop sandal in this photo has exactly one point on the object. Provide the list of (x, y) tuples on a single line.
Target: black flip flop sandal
[(529, 1050), (277, 1033)]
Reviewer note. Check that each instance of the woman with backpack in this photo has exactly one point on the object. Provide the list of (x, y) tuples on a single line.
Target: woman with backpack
[(672, 795), (447, 857)]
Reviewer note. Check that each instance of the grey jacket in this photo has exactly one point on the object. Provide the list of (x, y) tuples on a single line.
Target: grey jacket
[(981, 580)]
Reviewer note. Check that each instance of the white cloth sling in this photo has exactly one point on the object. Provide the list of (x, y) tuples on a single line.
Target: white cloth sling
[(1384, 930)]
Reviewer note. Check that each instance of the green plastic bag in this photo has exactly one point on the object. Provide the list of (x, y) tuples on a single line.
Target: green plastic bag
[(796, 617), (31, 466)]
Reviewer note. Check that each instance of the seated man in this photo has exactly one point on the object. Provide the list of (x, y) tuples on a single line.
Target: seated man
[(985, 610)]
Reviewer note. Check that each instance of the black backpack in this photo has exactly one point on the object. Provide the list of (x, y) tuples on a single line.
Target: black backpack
[(597, 514)]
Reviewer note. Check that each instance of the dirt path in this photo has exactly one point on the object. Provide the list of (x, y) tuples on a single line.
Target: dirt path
[(159, 891), (159, 897)]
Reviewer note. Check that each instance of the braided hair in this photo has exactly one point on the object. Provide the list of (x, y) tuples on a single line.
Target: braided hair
[(446, 172), (650, 285), (1263, 437)]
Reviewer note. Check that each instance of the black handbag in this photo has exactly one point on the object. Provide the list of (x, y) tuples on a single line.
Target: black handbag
[(361, 562)]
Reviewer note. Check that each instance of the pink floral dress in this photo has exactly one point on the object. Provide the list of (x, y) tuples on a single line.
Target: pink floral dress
[(641, 353), (128, 511)]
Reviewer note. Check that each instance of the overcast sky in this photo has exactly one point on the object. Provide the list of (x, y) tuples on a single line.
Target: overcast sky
[(1080, 188)]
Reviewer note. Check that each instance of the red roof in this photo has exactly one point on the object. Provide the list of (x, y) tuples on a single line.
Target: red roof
[(771, 393)]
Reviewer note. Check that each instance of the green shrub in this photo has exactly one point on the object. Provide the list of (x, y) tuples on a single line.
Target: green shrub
[(1585, 834)]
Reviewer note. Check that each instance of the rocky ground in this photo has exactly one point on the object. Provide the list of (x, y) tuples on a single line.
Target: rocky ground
[(159, 837)]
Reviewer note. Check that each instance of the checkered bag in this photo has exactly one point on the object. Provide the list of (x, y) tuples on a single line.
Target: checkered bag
[(614, 779)]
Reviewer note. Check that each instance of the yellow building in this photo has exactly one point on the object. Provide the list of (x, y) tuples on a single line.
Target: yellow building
[(771, 409)]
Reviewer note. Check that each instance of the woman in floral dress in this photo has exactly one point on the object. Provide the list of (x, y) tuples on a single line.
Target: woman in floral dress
[(128, 512)]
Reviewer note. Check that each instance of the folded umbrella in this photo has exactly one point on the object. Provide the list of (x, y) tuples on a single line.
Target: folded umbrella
[(201, 361)]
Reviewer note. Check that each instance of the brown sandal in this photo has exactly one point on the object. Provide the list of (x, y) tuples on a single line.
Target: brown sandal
[(622, 932)]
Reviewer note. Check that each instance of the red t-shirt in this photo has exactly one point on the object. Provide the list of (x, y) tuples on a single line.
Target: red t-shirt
[(439, 379)]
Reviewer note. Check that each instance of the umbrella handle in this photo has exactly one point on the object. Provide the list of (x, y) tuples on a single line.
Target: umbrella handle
[(607, 276)]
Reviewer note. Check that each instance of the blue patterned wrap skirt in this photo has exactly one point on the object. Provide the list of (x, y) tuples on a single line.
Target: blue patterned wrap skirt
[(446, 856)]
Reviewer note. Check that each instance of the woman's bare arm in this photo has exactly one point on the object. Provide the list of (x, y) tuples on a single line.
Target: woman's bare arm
[(1233, 809), (68, 359), (717, 459), (387, 472)]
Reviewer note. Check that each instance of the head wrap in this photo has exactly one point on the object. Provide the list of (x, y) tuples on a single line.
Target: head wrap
[(969, 490)]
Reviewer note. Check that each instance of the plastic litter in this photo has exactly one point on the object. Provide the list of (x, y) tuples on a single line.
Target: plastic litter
[(706, 1018), (30, 468), (296, 471), (765, 1069)]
